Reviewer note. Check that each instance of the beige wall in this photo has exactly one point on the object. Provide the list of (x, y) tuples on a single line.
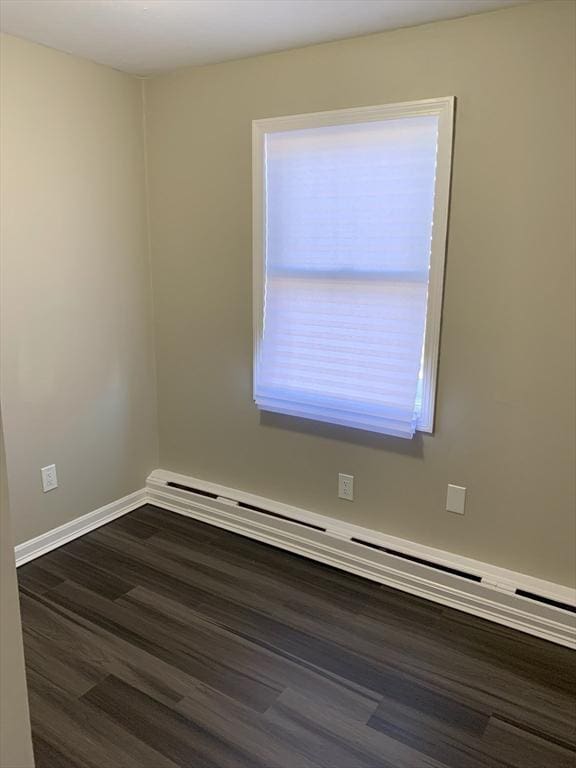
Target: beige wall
[(77, 365), (505, 411), (15, 740), (77, 379)]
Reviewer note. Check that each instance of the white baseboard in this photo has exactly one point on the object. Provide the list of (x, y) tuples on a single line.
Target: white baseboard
[(33, 548), (489, 591)]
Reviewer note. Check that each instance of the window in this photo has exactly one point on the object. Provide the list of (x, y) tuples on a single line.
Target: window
[(350, 216)]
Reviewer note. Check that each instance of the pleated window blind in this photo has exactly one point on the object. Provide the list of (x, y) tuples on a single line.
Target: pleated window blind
[(350, 219)]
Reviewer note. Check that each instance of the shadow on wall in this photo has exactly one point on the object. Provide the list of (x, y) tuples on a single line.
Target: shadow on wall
[(360, 437)]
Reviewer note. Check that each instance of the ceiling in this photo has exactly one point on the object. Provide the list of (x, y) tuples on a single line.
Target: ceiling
[(149, 36)]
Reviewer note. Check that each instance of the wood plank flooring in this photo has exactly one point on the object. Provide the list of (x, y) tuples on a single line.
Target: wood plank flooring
[(157, 642)]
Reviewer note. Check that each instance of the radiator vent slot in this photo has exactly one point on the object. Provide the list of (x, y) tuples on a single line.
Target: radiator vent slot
[(280, 517), (420, 561), (243, 504), (546, 600), (193, 490)]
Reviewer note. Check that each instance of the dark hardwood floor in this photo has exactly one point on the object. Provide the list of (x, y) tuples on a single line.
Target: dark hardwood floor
[(157, 641)]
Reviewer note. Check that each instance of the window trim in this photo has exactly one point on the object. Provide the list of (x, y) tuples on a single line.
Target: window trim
[(442, 107)]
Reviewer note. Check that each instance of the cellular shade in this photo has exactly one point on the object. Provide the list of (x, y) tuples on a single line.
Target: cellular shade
[(348, 226)]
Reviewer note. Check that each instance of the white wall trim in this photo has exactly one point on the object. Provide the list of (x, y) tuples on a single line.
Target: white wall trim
[(492, 598), (33, 548)]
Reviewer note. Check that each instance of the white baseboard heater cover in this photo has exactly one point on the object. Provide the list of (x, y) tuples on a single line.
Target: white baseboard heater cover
[(523, 602)]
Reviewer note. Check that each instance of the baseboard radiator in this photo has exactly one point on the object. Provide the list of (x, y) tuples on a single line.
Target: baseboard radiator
[(525, 603), (535, 606)]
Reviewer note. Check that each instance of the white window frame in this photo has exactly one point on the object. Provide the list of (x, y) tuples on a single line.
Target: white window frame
[(444, 109)]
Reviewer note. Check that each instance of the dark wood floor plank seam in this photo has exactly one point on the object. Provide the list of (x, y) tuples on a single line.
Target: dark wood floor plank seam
[(278, 667), (158, 641), (568, 746)]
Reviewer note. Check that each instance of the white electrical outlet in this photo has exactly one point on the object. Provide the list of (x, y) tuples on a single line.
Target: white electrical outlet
[(49, 478), (346, 487), (456, 499)]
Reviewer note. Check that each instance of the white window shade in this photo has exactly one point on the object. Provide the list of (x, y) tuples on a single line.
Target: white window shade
[(346, 216)]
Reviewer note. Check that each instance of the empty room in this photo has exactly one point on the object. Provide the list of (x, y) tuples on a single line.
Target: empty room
[(288, 383)]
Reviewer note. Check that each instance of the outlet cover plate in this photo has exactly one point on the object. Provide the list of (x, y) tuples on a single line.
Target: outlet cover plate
[(346, 487), (49, 478), (456, 499)]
